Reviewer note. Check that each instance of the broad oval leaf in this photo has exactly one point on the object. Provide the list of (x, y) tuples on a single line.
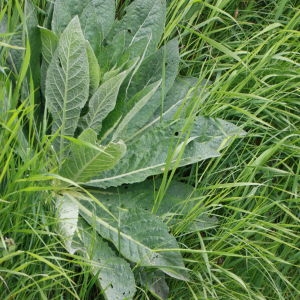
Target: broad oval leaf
[(67, 84)]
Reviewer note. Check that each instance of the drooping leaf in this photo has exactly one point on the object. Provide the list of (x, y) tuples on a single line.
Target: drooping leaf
[(87, 158), (114, 273), (147, 153), (67, 84), (142, 195), (139, 236)]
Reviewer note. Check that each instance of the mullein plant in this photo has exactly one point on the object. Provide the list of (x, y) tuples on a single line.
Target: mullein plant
[(118, 114)]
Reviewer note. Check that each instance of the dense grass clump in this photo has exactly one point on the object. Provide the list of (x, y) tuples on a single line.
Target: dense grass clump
[(245, 55)]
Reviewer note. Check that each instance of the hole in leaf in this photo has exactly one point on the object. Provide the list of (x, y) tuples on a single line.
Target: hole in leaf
[(176, 133), (129, 30)]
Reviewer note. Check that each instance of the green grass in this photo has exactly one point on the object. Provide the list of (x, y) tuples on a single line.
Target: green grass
[(249, 53)]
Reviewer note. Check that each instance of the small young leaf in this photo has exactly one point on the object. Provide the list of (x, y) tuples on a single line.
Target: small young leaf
[(67, 84), (49, 44), (94, 69), (88, 159), (103, 101)]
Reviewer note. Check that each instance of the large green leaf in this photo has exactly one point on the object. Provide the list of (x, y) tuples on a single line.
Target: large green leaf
[(139, 236), (143, 98), (179, 95), (154, 281), (114, 273), (67, 84), (147, 153), (87, 158)]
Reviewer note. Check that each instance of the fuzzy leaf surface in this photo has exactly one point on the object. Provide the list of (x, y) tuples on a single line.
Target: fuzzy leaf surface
[(96, 17), (173, 207), (161, 65), (67, 83)]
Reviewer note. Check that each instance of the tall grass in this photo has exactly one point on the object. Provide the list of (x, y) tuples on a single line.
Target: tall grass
[(248, 53)]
